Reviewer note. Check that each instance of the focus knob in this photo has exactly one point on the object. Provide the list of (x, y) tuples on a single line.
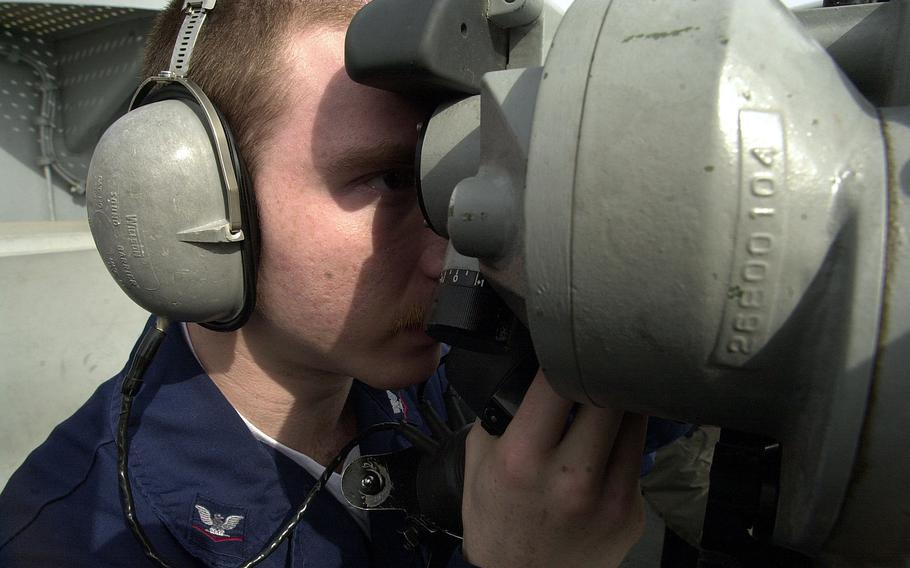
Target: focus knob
[(468, 313)]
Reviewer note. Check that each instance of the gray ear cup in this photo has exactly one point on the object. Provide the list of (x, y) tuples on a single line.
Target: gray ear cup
[(156, 207)]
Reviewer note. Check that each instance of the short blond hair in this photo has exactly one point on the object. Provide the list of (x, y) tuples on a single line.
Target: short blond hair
[(239, 59)]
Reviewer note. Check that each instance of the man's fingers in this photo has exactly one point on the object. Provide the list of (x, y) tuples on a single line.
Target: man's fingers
[(591, 438), (477, 444), (541, 419), (624, 467)]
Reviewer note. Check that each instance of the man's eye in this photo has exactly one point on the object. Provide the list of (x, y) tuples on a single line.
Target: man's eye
[(393, 180)]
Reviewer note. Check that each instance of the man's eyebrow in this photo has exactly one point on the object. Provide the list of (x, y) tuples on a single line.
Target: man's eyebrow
[(365, 158)]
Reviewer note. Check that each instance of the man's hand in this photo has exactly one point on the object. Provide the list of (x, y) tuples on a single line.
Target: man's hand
[(543, 495)]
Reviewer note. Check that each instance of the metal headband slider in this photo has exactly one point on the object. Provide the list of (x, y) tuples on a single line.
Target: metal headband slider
[(199, 4), (189, 32)]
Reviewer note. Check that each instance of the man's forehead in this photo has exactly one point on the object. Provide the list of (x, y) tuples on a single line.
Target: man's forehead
[(316, 58), (318, 74), (364, 146), (345, 116)]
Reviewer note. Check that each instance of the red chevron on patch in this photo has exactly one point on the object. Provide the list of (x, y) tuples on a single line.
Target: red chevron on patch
[(404, 405), (216, 538)]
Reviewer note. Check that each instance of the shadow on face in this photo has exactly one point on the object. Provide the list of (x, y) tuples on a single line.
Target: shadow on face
[(364, 147)]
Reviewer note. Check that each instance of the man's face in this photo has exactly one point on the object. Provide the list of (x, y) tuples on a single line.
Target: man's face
[(347, 264)]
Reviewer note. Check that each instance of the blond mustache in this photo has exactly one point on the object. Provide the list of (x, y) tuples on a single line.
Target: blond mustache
[(410, 319)]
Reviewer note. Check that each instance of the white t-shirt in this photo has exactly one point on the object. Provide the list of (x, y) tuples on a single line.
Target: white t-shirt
[(311, 466), (333, 485)]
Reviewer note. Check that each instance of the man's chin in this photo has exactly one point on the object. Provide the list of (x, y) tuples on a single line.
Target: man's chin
[(399, 369)]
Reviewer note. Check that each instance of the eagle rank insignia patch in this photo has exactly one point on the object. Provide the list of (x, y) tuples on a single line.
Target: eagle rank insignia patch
[(216, 524)]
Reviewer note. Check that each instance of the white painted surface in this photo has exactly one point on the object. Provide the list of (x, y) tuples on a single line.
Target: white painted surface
[(65, 327), (22, 239)]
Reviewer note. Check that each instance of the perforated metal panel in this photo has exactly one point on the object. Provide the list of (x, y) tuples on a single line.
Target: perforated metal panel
[(98, 73), (20, 99), (64, 69), (56, 19)]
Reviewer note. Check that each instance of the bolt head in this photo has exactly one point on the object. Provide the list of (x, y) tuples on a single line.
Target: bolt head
[(371, 483)]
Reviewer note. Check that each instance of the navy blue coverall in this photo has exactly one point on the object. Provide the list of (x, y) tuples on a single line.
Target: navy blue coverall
[(192, 454)]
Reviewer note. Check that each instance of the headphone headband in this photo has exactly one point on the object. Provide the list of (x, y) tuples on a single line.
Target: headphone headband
[(196, 11)]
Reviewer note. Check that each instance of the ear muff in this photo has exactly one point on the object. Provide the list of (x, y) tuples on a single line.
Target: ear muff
[(171, 209)]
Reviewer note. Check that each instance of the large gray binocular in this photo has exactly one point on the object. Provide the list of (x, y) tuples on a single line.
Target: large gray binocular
[(700, 211)]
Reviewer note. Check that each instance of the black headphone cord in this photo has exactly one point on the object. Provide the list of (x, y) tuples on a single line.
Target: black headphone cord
[(148, 346)]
